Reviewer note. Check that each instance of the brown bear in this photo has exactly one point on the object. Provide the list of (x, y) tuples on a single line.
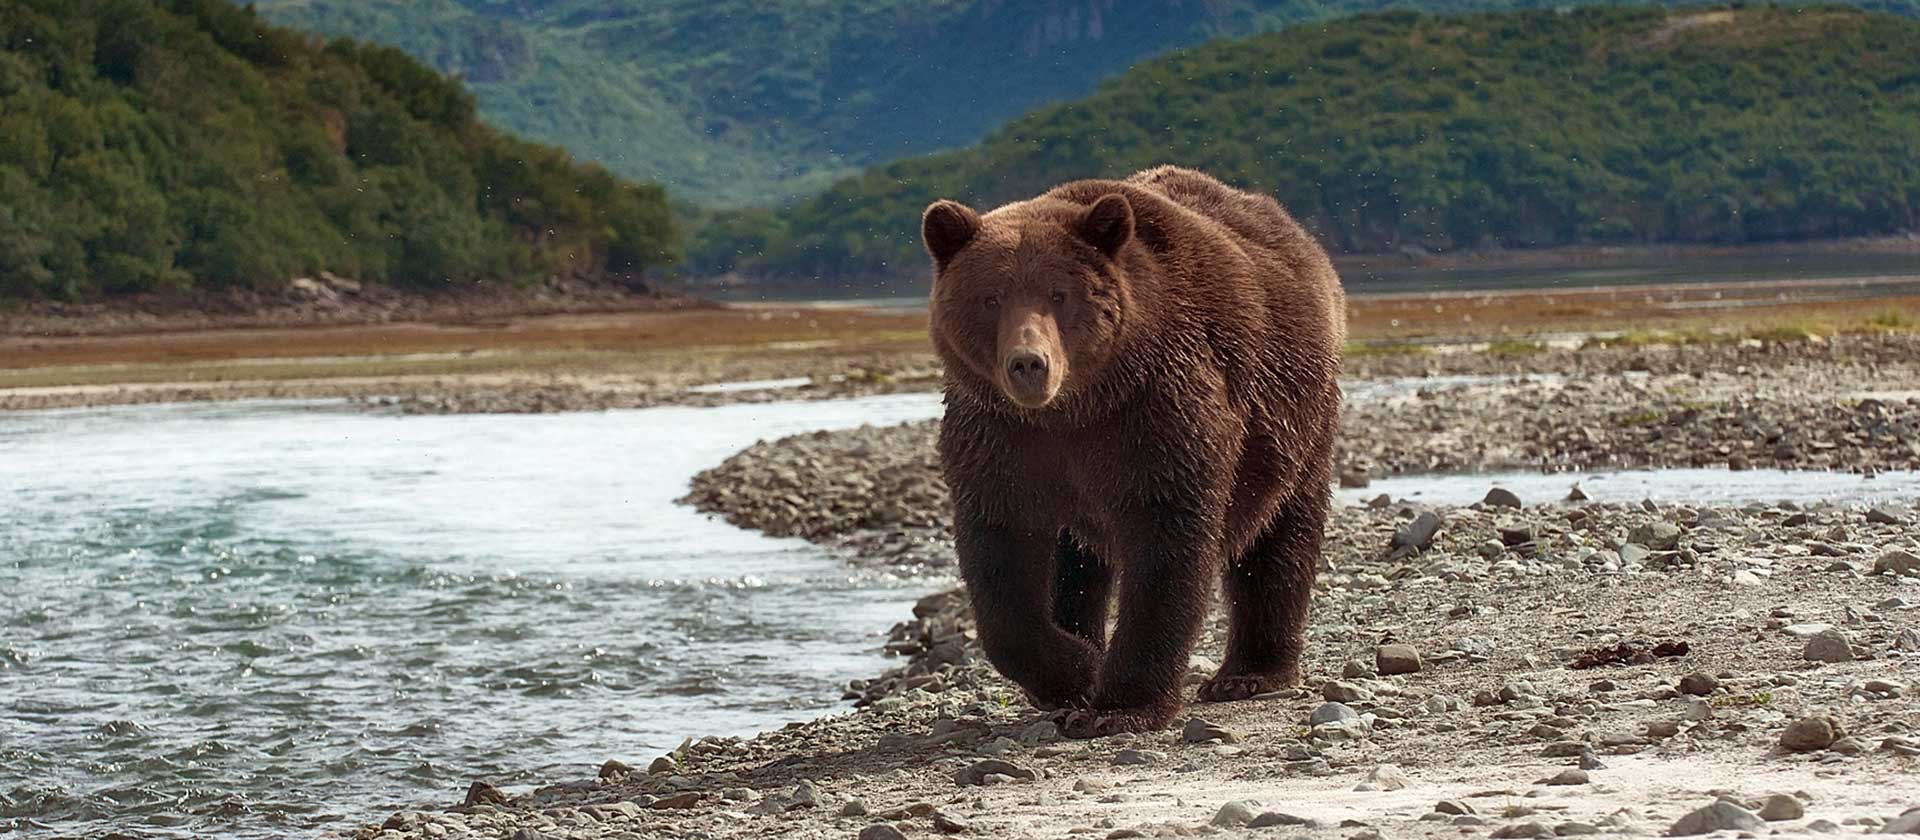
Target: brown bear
[(1141, 396)]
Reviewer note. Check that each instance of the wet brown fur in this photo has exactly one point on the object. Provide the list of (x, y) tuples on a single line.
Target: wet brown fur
[(1187, 441)]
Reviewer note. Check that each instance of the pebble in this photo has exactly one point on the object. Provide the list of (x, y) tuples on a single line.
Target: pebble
[(1341, 691), (1780, 806), (1829, 645), (1385, 777), (1897, 562), (663, 764), (1699, 684), (1236, 813), (615, 768), (881, 831), (481, 793), (1815, 732), (1452, 806), (1200, 731), (1720, 816), (1884, 515), (1501, 497), (946, 823), (977, 772), (1527, 829), (1566, 778), (855, 807), (1392, 660), (1269, 819), (1133, 757), (1907, 823), (1419, 533), (1332, 713)]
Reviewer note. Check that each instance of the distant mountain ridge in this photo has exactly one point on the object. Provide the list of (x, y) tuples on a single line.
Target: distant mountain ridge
[(1401, 131), (735, 102)]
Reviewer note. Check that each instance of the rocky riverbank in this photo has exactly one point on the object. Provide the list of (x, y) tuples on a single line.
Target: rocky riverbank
[(1513, 668)]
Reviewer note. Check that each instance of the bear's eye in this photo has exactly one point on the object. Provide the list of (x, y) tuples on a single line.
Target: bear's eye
[(1059, 298), (991, 301)]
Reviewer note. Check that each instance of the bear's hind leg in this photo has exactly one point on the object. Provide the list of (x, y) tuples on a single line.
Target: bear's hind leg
[(1082, 591), (1267, 590)]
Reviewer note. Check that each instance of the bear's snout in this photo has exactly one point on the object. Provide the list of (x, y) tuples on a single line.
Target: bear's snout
[(1029, 379)]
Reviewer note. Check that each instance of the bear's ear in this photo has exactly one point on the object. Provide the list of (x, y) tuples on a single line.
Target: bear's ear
[(946, 227), (1108, 223)]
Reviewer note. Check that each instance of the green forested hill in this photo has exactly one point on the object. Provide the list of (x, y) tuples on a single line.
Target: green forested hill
[(747, 102), (153, 144), (1399, 130)]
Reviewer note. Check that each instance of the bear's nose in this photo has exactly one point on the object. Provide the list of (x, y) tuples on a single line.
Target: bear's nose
[(1027, 369)]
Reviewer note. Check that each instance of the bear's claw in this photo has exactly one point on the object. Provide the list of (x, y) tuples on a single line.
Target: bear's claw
[(1099, 723), (1222, 688)]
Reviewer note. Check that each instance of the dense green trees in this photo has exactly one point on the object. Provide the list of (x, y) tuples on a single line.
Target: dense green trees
[(1401, 130), (152, 144)]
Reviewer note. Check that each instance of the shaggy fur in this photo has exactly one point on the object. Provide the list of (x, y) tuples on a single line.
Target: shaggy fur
[(1140, 403)]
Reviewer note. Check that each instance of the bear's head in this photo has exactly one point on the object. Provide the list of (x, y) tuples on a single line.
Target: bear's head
[(1029, 298)]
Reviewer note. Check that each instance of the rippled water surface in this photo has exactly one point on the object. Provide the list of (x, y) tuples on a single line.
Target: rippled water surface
[(277, 619)]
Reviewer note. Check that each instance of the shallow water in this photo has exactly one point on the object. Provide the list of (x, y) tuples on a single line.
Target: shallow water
[(264, 619)]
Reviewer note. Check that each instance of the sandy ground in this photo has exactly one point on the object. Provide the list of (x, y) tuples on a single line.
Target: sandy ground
[(1791, 698)]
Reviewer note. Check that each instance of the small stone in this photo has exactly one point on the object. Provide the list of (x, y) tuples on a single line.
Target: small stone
[(1659, 536), (1780, 807), (1132, 757), (1907, 823), (481, 793), (663, 764), (855, 807), (881, 831), (1236, 813), (977, 772), (1883, 515), (1527, 829), (1341, 691), (1419, 533), (1084, 785), (615, 768), (1699, 684), (1332, 713), (1273, 818), (1662, 728), (1200, 731), (1814, 732), (1899, 563), (1589, 761), (1575, 494), (1391, 660), (946, 823), (678, 800), (524, 833), (1566, 778), (1501, 497), (1829, 645), (1452, 806), (1720, 816), (1386, 777)]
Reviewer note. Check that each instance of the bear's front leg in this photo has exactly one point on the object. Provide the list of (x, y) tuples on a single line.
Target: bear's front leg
[(1165, 590), (1009, 573)]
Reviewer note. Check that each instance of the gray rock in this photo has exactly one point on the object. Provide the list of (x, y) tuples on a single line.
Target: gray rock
[(524, 833), (977, 772), (1332, 713), (1236, 813), (1391, 660), (1501, 497), (1454, 807), (1200, 731), (1814, 732), (855, 807), (1419, 533), (1575, 494), (1575, 829), (1780, 806), (1897, 563), (1720, 816), (663, 764), (1385, 777), (1133, 757), (1566, 778), (1340, 691), (481, 793), (946, 823), (1527, 829), (1272, 818), (1884, 515), (615, 768), (1589, 761), (1699, 684), (881, 831), (1907, 823), (1659, 536), (1828, 645)]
